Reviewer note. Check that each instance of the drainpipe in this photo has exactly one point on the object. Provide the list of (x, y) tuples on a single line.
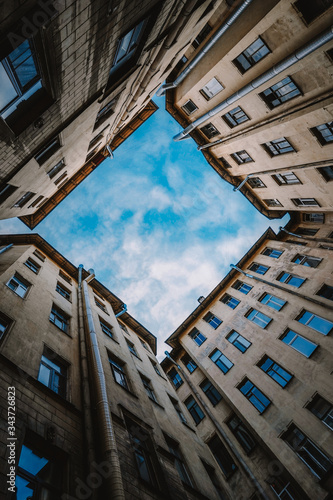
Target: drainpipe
[(6, 248), (274, 285), (87, 420), (326, 240), (243, 182), (286, 63), (124, 309), (211, 42), (217, 425), (114, 485)]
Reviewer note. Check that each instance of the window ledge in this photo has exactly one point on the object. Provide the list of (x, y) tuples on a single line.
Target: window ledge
[(127, 390), (109, 337), (188, 426), (156, 403)]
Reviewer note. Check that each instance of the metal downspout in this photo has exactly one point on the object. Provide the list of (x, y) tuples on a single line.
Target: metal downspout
[(274, 285), (6, 248), (114, 484), (87, 419), (248, 471), (124, 309), (211, 42), (286, 63), (326, 240)]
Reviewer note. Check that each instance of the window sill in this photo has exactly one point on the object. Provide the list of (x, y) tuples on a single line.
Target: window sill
[(127, 390), (58, 328), (156, 403), (188, 426)]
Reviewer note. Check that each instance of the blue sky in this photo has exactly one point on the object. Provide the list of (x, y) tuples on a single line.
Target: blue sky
[(157, 224)]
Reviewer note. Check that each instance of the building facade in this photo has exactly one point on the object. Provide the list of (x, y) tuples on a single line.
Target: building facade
[(255, 92), (77, 78), (254, 366), (94, 416)]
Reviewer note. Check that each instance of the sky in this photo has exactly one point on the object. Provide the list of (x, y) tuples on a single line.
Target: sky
[(156, 223)]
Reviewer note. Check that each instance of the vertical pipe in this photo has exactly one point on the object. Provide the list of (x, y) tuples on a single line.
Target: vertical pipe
[(87, 419), (114, 484)]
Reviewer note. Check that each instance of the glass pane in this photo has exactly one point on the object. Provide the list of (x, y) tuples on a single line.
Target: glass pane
[(7, 91), (26, 72), (31, 462), (25, 489), (142, 466), (303, 346), (321, 325), (123, 47), (44, 375)]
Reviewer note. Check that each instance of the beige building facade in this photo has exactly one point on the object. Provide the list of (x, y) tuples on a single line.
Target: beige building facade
[(77, 81), (95, 416), (255, 93), (255, 366)]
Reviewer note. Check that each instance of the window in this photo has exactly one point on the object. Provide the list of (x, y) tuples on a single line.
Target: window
[(275, 371), (213, 477), (224, 162), (118, 371), (197, 336), (36, 201), (106, 328), (280, 92), (256, 182), (272, 301), (48, 150), (286, 179), (142, 446), (312, 10), (307, 451), (123, 327), (254, 395), (221, 361), (100, 305), (143, 343), (230, 301), (179, 461), (105, 112), (189, 363), (314, 217), (178, 409), (272, 252), (306, 231), (201, 36), (129, 43), (326, 291), (315, 322), (39, 473), (194, 409), (283, 489), (6, 191), (326, 172), (212, 320), (242, 287), (148, 388), (53, 372), (5, 324), (19, 285), (235, 117), (24, 199), (211, 88), (63, 291), (131, 348), (258, 268), (258, 318), (243, 436), (305, 202), (222, 456), (32, 265), (56, 169), (20, 78), (299, 343), (59, 318), (175, 378), (278, 147), (95, 140), (238, 341), (291, 279), (211, 392), (189, 107), (156, 367), (273, 202), (241, 157), (305, 260), (65, 277), (322, 409), (251, 55), (209, 130)]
